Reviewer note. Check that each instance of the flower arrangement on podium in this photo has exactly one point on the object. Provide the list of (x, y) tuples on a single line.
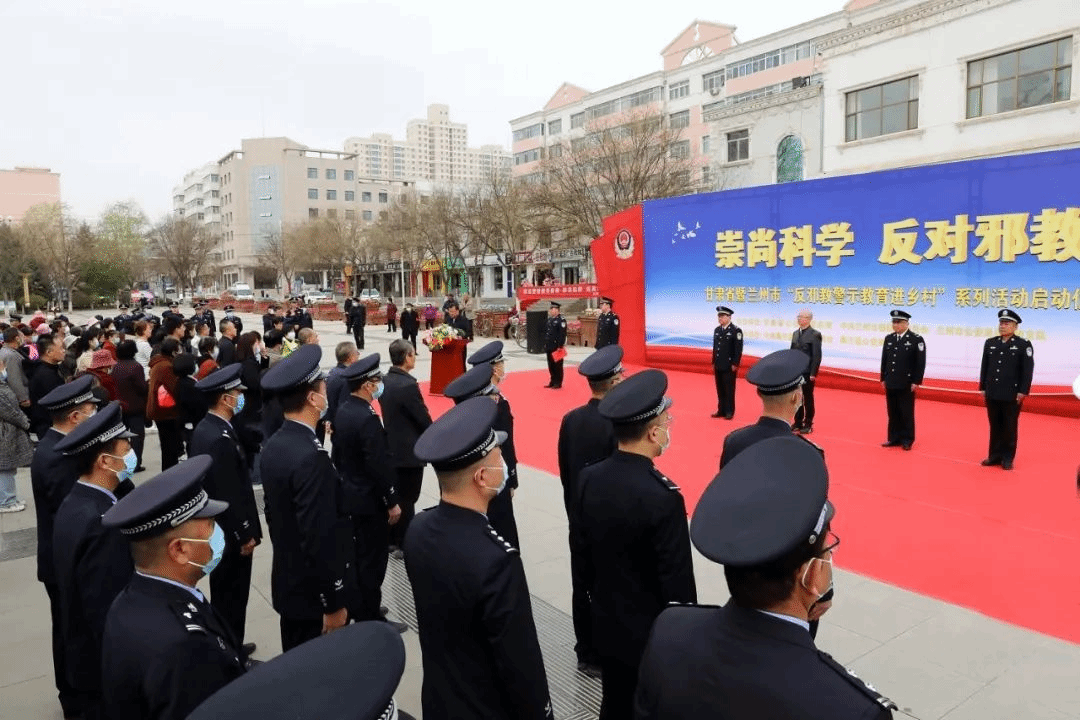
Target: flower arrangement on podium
[(440, 337)]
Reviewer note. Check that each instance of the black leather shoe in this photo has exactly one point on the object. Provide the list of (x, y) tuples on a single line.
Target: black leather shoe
[(1006, 464), (890, 444), (729, 417), (248, 649), (806, 430), (906, 446), (399, 626), (989, 462), (589, 669), (716, 415), (383, 610)]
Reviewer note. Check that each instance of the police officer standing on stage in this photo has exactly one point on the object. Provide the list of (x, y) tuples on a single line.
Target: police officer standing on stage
[(807, 340), (311, 542), (554, 342), (607, 325), (768, 525), (165, 649), (1008, 363), (903, 362), (477, 634), (367, 481), (228, 480), (630, 531), (586, 437), (727, 347)]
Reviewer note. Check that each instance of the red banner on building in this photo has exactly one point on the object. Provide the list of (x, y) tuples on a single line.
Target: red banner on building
[(545, 292)]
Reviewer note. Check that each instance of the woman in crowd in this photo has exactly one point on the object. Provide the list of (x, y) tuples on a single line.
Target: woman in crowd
[(161, 406), (101, 365), (15, 448), (207, 360), (131, 390), (192, 402)]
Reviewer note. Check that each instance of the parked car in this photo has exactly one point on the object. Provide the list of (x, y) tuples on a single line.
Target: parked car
[(369, 294), (314, 297)]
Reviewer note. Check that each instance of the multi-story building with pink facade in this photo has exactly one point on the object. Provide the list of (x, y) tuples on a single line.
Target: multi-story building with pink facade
[(25, 187)]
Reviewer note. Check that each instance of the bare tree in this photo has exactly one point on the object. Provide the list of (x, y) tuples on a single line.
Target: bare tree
[(281, 252), (184, 248), (54, 235), (16, 261)]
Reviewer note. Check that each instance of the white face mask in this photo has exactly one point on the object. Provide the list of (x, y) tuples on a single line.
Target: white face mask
[(505, 476)]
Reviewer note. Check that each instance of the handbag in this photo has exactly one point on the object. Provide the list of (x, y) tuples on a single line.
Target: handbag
[(165, 398), (558, 354)]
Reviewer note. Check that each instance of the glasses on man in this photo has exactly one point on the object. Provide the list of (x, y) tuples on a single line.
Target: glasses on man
[(832, 541)]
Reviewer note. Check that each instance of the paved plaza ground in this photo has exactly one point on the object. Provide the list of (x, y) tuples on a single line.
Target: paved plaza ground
[(935, 660)]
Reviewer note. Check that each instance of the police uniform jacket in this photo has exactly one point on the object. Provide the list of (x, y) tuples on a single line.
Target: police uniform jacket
[(504, 422), (93, 564), (1007, 367), (228, 478), (477, 635), (305, 320), (268, 321), (405, 415), (358, 315), (731, 663), (903, 360), (367, 477), (764, 428), (555, 333), (337, 393), (164, 652), (301, 486), (51, 476), (632, 534), (607, 330), (727, 345), (45, 379), (809, 342), (585, 437)]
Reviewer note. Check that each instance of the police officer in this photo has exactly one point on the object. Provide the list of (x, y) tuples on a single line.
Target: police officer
[(807, 340), (630, 531), (92, 561), (231, 316), (311, 542), (903, 362), (480, 382), (229, 480), (367, 479), (125, 321), (726, 355), (478, 617), (165, 649), (554, 342), (281, 690), (208, 316), (357, 321), (51, 476), (754, 657), (607, 325), (173, 312), (1008, 363), (269, 315), (586, 437)]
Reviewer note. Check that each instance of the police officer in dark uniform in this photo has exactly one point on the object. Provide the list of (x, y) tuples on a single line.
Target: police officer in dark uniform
[(311, 541), (125, 321), (555, 341), (207, 316), (727, 345), (231, 316), (51, 476), (357, 321), (367, 479), (586, 437), (630, 531), (304, 320), (1008, 363), (903, 362), (477, 635), (165, 648), (479, 381), (268, 318), (607, 325), (229, 481), (92, 561), (807, 339), (172, 312), (754, 657)]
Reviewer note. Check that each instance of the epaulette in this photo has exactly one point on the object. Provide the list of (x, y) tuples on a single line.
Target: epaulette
[(811, 443), (501, 541), (665, 480), (861, 685), (694, 605), (189, 616)]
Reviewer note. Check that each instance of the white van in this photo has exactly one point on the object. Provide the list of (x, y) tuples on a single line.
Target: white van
[(242, 291)]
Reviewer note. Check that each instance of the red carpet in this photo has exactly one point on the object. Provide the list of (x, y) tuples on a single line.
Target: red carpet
[(932, 520)]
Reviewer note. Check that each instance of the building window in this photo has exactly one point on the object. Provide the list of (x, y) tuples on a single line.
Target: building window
[(680, 150), (331, 174), (705, 145), (1036, 75), (365, 197), (883, 109), (384, 197), (789, 160), (331, 213), (350, 214), (527, 157), (679, 120), (555, 127), (313, 173), (678, 90), (738, 145), (312, 193), (529, 132), (331, 194), (706, 176), (367, 215), (313, 213), (350, 196), (577, 120), (350, 175), (713, 82), (497, 277)]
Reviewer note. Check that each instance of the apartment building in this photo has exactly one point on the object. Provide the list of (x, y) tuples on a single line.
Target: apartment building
[(22, 188)]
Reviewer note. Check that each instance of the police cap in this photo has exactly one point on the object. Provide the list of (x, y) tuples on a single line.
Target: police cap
[(899, 315), (639, 398), (69, 394), (779, 372), (228, 308), (490, 353), (226, 378), (474, 383), (104, 425), (721, 310), (318, 679), (769, 500), (15, 318), (607, 300), (364, 369), (555, 304), (462, 436), (301, 367), (165, 501), (123, 306), (1007, 314), (602, 364)]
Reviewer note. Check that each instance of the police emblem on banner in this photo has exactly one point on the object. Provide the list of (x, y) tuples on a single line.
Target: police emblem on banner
[(624, 244)]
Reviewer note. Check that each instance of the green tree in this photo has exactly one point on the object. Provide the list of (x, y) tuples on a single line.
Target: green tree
[(121, 232)]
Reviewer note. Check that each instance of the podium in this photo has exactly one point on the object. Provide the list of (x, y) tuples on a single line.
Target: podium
[(447, 364)]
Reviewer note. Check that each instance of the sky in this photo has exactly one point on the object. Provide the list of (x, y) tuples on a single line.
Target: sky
[(123, 97)]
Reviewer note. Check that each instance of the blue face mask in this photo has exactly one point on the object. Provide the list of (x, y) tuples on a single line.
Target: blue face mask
[(217, 549), (378, 391), (239, 406), (131, 461)]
